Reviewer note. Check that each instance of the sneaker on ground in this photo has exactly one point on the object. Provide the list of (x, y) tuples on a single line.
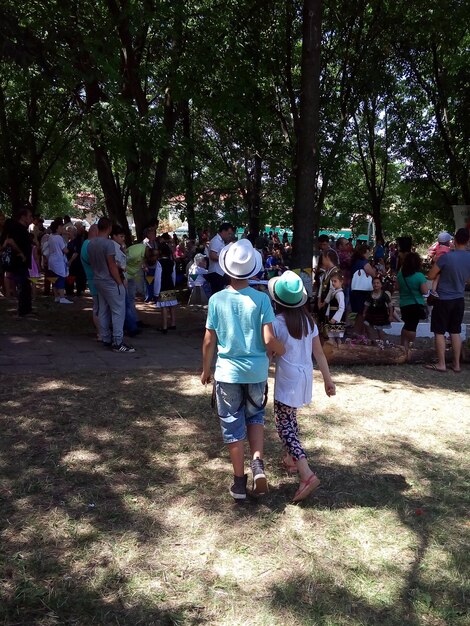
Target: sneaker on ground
[(65, 301), (260, 482), (107, 344), (123, 348), (238, 489)]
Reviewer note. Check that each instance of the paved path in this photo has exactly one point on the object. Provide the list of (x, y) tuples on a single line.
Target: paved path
[(44, 351), (20, 354)]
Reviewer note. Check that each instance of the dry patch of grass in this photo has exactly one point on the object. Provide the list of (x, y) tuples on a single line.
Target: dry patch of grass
[(115, 509)]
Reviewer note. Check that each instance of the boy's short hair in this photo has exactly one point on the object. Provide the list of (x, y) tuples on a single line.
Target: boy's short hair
[(117, 230), (225, 226), (462, 237), (104, 223)]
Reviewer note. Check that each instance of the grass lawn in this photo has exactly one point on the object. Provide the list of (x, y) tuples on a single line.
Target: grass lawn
[(114, 505)]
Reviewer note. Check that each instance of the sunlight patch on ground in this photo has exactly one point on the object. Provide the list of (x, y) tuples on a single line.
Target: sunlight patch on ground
[(77, 457), (144, 423), (54, 385)]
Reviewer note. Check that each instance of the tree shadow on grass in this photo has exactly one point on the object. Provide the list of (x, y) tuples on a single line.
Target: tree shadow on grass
[(98, 462), (82, 464), (434, 514), (437, 518)]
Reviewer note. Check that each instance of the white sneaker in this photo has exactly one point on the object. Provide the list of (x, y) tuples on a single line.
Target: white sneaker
[(65, 301)]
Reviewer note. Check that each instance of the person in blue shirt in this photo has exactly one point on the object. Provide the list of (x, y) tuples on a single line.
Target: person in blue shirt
[(239, 325), (448, 310), (274, 263)]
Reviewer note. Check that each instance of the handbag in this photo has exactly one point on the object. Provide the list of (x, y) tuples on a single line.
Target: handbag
[(423, 309), (361, 281)]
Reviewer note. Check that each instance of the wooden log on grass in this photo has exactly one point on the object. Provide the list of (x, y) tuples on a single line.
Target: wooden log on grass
[(351, 354), (358, 354)]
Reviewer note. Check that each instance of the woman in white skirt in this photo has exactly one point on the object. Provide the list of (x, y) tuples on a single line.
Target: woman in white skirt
[(164, 287)]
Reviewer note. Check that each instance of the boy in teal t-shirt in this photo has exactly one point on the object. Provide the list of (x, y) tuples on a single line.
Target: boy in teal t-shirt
[(239, 325)]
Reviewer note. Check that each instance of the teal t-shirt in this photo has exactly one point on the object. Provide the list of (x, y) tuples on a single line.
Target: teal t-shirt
[(87, 267), (410, 292), (237, 317)]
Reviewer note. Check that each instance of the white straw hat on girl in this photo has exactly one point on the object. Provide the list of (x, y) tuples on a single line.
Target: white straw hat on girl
[(240, 260), (288, 290)]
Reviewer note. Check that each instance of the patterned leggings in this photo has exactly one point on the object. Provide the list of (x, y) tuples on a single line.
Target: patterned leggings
[(288, 429)]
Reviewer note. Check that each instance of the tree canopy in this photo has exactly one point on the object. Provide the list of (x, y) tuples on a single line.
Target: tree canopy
[(203, 104)]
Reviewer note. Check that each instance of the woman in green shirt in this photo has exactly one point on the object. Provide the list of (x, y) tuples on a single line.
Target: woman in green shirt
[(412, 284)]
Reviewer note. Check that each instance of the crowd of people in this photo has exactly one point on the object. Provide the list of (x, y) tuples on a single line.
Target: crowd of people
[(259, 309), (349, 288)]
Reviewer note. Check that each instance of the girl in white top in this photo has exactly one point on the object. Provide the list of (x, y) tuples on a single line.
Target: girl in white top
[(295, 328), (335, 308)]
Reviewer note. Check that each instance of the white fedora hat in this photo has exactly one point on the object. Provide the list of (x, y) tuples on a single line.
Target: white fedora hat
[(240, 260)]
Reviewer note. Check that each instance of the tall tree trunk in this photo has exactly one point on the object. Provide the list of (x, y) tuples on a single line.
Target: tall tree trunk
[(34, 175), (112, 195), (13, 184), (161, 169), (254, 198), (377, 217), (138, 171), (189, 171), (306, 216)]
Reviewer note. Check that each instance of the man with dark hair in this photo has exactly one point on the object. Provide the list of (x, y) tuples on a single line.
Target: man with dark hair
[(67, 221), (215, 277), (324, 246), (18, 240), (109, 284), (447, 314)]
